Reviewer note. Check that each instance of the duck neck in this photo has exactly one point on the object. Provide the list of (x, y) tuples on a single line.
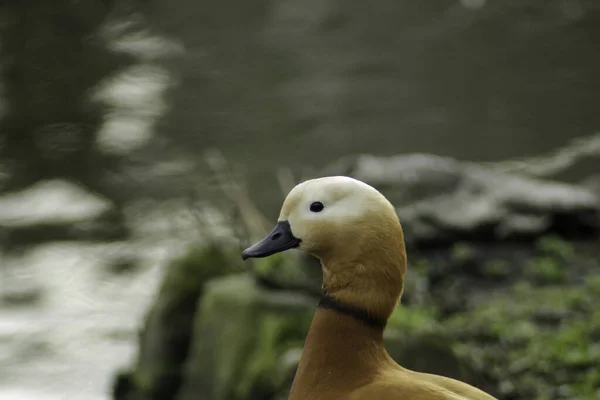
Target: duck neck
[(344, 347), (343, 350), (368, 285), (360, 314)]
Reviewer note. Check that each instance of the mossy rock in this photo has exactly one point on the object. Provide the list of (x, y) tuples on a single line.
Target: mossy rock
[(291, 270), (166, 335), (522, 334), (248, 341), (554, 255), (240, 335), (536, 342)]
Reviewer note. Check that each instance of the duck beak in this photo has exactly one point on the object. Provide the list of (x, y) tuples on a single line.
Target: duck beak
[(280, 239)]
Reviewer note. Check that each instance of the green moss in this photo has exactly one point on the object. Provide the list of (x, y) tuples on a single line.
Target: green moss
[(496, 269), (263, 360), (122, 384), (550, 265), (289, 270), (416, 340), (278, 267), (554, 246), (419, 266), (164, 343), (530, 336), (593, 283), (277, 334), (144, 381), (413, 319), (462, 252), (546, 270), (241, 332), (201, 263)]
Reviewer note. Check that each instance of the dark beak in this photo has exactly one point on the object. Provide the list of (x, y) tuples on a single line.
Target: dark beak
[(280, 239)]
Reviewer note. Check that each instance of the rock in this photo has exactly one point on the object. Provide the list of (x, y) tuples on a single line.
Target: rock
[(241, 336), (166, 337), (247, 341), (122, 385), (290, 270), (441, 200), (261, 362), (57, 210)]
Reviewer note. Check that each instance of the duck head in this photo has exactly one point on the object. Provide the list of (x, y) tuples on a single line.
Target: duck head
[(355, 233)]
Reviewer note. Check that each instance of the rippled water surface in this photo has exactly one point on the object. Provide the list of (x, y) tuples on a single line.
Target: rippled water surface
[(83, 326)]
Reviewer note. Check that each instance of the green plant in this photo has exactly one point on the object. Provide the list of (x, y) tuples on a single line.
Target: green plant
[(546, 270), (496, 269), (535, 339), (462, 252)]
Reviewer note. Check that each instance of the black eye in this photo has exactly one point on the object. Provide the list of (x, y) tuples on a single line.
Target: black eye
[(317, 206)]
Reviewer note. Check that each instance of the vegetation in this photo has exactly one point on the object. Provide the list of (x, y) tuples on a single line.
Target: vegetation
[(535, 342), (526, 328), (533, 334)]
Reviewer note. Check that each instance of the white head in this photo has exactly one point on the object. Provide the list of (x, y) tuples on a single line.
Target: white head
[(351, 227), (334, 214)]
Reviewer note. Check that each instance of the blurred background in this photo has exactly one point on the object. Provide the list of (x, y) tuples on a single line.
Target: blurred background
[(143, 144)]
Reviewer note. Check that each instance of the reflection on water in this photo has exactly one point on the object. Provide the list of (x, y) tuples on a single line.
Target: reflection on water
[(68, 343), (70, 311)]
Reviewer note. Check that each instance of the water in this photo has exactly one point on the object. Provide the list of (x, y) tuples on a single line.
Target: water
[(300, 83), (68, 319), (69, 343)]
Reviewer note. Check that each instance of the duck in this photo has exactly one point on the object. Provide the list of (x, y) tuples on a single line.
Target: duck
[(356, 234)]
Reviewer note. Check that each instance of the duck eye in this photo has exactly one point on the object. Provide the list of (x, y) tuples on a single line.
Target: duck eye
[(317, 206)]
